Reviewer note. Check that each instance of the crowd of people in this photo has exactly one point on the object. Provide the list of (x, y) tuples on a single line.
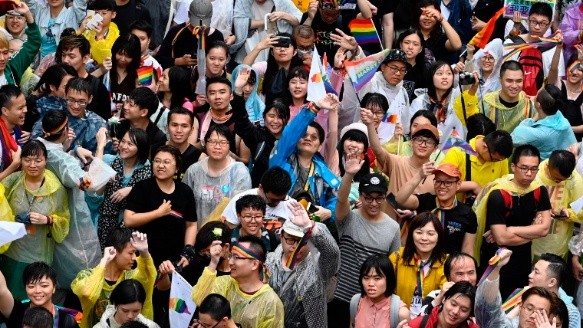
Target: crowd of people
[(443, 192)]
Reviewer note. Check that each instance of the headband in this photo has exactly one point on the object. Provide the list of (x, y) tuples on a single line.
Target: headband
[(247, 253), (57, 129)]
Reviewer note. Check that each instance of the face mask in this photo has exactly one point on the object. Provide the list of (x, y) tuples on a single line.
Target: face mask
[(302, 53)]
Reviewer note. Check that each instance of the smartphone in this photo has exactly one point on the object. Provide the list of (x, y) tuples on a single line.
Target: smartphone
[(283, 42), (391, 199)]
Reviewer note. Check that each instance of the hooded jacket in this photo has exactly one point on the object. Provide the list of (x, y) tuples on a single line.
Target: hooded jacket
[(110, 312)]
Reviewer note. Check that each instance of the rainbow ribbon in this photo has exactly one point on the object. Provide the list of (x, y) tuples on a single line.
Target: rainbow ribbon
[(518, 47), (513, 300), (492, 265), (292, 260)]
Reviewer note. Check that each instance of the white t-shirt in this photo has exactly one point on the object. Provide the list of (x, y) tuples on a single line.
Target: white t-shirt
[(271, 213)]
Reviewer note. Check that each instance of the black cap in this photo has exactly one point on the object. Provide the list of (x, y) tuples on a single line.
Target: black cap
[(373, 182), (396, 55)]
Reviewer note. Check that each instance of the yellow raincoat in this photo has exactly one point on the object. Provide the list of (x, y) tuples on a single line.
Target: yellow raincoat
[(5, 215), (260, 310), (102, 48)]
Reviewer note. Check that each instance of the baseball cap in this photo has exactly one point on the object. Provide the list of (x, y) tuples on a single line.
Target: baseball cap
[(200, 10), (449, 169), (396, 55), (427, 128), (373, 182), (292, 229)]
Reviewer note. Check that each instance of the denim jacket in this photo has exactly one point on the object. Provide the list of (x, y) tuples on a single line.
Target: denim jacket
[(323, 183), (460, 22), (68, 17)]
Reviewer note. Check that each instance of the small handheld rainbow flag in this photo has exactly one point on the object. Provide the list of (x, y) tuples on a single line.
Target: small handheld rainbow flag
[(482, 38), (390, 118), (326, 72), (292, 260), (455, 140), (178, 305), (361, 71), (364, 31), (491, 265), (515, 48), (145, 75)]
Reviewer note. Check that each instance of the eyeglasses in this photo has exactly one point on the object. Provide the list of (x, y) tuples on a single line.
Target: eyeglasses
[(492, 158), (166, 162), (446, 183), (525, 169), (369, 200), (237, 257), (424, 141), (202, 325), (488, 59), (213, 143), (81, 103), (378, 114), (311, 137), (249, 218), (290, 240), (542, 24), (395, 70)]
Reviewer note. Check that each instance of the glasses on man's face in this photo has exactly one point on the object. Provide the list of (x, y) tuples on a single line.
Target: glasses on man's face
[(493, 158), (378, 113), (445, 183), (424, 141), (200, 324), (249, 218), (214, 143), (311, 137), (395, 70), (290, 240), (80, 103), (526, 169), (542, 24), (370, 200)]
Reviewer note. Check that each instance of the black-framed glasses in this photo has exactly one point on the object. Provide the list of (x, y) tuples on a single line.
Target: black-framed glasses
[(369, 200), (395, 69), (446, 183), (80, 103), (202, 325), (526, 169), (290, 240), (249, 218), (492, 158), (542, 24), (424, 141)]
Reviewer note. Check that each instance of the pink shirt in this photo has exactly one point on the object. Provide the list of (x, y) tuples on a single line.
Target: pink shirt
[(374, 315)]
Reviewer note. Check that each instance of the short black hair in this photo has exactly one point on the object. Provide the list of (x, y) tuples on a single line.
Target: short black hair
[(53, 76), (216, 306), (34, 148), (103, 5), (254, 202), (541, 8), (280, 108), (524, 150), (462, 287), (37, 317), (375, 99), (127, 292), (36, 271), (71, 42), (321, 132), (79, 84), (142, 25), (276, 181), (557, 267), (172, 151), (144, 98), (564, 161), (221, 130), (118, 238), (7, 92), (52, 120), (510, 65), (205, 235), (499, 142), (140, 138), (181, 111), (383, 267), (479, 125), (256, 245), (452, 259), (549, 98), (561, 311), (425, 113), (218, 79)]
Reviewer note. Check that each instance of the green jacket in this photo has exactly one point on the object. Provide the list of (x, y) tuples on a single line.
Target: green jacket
[(19, 63)]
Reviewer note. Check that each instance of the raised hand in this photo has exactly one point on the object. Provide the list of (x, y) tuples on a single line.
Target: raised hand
[(139, 241), (339, 58), (313, 9), (344, 40), (427, 169), (270, 41), (166, 267), (353, 163), (366, 116), (242, 78), (300, 216), (109, 254), (329, 101), (504, 257), (216, 250)]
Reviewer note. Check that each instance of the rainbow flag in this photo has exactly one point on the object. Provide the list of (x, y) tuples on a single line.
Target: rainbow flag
[(390, 118), (515, 48), (145, 75), (176, 214), (455, 140), (326, 72), (513, 300), (364, 31), (178, 305), (361, 71), (482, 38), (316, 88), (292, 260)]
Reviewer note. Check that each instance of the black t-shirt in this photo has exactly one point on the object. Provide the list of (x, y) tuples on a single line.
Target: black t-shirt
[(15, 319), (323, 42), (165, 234), (128, 13), (458, 221), (436, 43), (120, 91), (523, 212), (189, 157), (383, 8)]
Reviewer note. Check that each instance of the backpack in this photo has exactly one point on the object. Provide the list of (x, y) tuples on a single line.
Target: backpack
[(393, 312), (508, 200), (531, 60)]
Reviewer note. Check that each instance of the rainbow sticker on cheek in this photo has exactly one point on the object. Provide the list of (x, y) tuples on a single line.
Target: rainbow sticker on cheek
[(576, 65)]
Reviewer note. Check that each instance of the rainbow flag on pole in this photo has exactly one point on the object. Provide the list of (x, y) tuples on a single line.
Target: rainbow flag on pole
[(364, 31), (455, 140), (361, 71), (326, 72)]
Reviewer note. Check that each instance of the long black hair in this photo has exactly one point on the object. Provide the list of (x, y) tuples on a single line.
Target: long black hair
[(357, 136), (273, 68), (420, 58), (419, 221), (383, 267), (128, 45)]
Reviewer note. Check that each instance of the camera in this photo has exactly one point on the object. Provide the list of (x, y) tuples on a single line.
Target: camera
[(467, 78), (283, 42)]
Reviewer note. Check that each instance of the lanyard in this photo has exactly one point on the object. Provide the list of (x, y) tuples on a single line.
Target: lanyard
[(421, 274), (439, 211), (310, 174)]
